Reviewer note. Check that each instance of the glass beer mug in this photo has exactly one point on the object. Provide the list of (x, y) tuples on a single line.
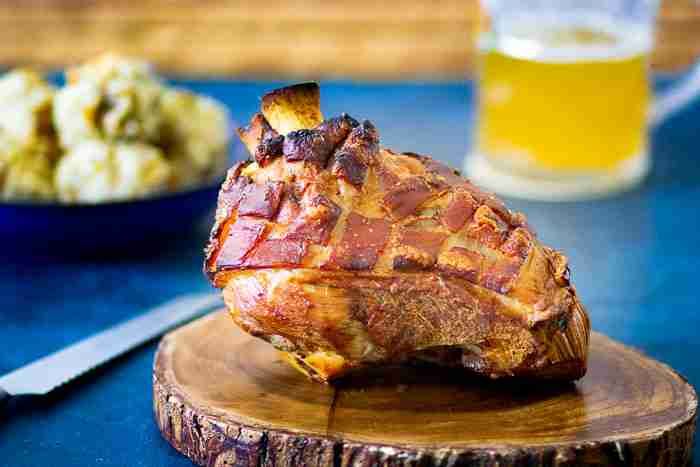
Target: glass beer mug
[(564, 98)]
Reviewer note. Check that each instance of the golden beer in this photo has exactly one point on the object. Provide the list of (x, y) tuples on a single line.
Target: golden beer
[(563, 100)]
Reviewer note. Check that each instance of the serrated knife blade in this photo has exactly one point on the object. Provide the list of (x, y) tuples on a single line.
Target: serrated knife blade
[(42, 376)]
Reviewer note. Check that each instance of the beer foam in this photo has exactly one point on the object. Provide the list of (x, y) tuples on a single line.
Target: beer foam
[(580, 37)]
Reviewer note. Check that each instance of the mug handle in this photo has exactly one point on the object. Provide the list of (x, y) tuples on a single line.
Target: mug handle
[(681, 94)]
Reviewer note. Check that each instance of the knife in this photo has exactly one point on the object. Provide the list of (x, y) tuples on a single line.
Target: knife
[(44, 375)]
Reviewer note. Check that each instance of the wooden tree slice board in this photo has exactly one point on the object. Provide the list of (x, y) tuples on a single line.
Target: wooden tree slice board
[(222, 397)]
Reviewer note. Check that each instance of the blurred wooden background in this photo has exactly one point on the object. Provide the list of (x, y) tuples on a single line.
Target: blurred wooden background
[(359, 38)]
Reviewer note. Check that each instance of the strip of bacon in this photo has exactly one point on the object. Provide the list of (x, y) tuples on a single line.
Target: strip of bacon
[(500, 276), (230, 196), (518, 244), (459, 210), (361, 244), (317, 222), (417, 249), (402, 200), (242, 236), (261, 200), (290, 207), (232, 190), (429, 242), (277, 252), (487, 228), (462, 262)]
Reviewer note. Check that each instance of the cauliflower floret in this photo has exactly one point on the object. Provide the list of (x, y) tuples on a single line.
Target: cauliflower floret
[(74, 113), (25, 117), (196, 136), (25, 100), (25, 174), (95, 171), (111, 98), (27, 144)]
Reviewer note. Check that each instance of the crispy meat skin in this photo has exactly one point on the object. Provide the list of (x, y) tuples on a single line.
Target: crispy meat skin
[(345, 255)]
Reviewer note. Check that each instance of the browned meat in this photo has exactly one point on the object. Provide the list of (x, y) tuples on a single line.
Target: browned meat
[(344, 255)]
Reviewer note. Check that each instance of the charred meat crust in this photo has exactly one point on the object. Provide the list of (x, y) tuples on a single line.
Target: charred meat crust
[(358, 151), (262, 141), (337, 129), (253, 132), (271, 146), (307, 145), (349, 166), (316, 146)]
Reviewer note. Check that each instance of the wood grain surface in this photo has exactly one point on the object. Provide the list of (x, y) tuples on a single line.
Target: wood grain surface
[(222, 397), (303, 38)]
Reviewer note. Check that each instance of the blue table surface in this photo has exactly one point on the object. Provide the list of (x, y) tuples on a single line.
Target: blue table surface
[(634, 260)]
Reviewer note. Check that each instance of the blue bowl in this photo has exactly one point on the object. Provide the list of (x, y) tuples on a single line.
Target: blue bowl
[(33, 230)]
